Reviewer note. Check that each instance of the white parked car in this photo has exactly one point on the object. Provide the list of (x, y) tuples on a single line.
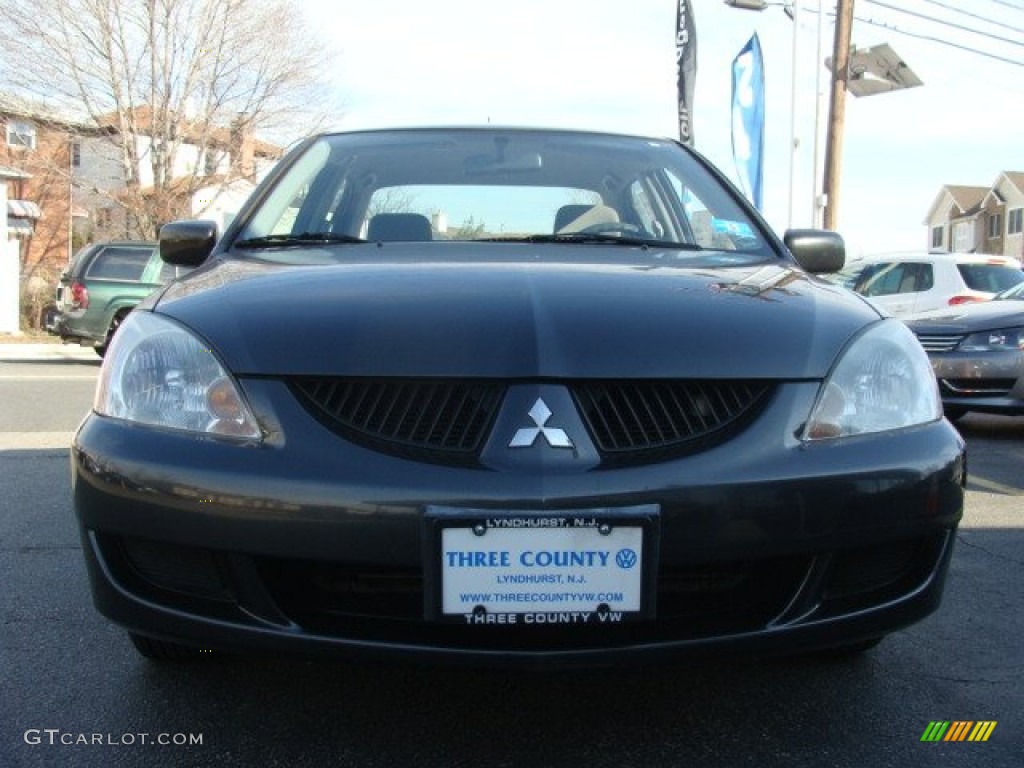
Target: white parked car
[(905, 284)]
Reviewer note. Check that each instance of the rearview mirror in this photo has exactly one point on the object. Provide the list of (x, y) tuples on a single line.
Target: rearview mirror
[(187, 243), (480, 164), (818, 251)]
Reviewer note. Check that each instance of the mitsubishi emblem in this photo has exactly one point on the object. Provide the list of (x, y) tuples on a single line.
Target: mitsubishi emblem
[(527, 436)]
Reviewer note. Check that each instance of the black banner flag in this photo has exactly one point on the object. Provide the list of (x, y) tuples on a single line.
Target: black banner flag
[(686, 62)]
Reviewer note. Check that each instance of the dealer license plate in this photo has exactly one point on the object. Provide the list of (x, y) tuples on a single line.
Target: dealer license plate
[(509, 568)]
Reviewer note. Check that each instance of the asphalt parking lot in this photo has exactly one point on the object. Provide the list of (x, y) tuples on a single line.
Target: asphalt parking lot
[(75, 693)]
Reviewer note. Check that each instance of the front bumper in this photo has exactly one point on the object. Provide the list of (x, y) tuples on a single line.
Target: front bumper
[(315, 545), (989, 382), (70, 329)]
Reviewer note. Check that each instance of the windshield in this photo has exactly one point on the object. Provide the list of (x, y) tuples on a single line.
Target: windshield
[(508, 185)]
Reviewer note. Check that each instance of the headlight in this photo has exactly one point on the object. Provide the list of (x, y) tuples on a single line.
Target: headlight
[(883, 381), (156, 372), (993, 341)]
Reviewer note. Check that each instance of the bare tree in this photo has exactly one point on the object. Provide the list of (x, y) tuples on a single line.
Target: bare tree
[(173, 85)]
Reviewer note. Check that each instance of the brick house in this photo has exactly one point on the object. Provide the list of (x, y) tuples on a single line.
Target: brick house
[(66, 185), (39, 146), (990, 219)]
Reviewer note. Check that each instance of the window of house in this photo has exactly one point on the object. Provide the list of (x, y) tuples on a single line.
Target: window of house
[(995, 225), (211, 161), (964, 240), (937, 233), (104, 218), (1015, 221), (21, 134), (76, 154)]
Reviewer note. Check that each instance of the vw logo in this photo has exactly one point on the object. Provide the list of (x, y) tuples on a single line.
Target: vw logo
[(527, 436), (625, 559)]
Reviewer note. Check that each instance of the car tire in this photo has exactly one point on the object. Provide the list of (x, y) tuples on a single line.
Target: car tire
[(163, 650), (48, 317), (101, 350)]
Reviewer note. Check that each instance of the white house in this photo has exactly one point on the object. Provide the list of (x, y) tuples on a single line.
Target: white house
[(221, 202), (965, 219), (10, 262)]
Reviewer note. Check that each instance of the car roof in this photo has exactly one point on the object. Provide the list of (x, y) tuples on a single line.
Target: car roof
[(493, 128), (939, 257), (136, 243)]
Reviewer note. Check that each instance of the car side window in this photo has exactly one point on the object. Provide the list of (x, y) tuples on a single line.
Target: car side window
[(648, 208), (714, 222), (916, 278), (925, 277), (880, 280), (892, 278), (989, 277), (120, 263)]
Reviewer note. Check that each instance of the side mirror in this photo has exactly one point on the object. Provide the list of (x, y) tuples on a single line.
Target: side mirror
[(187, 243), (818, 251)]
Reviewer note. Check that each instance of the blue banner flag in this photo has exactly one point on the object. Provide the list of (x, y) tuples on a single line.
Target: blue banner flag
[(686, 65), (748, 119)]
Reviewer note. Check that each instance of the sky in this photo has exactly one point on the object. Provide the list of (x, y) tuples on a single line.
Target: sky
[(610, 65)]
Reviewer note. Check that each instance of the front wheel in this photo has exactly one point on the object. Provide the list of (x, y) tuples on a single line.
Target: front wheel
[(101, 350)]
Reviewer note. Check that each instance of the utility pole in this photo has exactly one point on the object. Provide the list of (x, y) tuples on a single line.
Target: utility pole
[(837, 111)]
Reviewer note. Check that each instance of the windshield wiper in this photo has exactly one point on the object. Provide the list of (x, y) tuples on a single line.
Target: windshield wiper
[(592, 238), (303, 238)]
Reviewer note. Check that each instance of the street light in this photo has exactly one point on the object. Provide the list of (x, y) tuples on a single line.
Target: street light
[(862, 73), (878, 69)]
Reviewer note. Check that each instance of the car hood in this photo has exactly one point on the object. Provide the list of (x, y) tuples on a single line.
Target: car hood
[(513, 318), (966, 318)]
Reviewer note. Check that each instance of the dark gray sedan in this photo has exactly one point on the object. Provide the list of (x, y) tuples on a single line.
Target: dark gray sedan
[(977, 352), (511, 395)]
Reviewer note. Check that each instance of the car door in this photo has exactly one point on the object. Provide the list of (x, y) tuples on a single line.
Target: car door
[(891, 286)]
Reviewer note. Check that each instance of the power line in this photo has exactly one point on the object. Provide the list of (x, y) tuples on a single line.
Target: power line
[(930, 38), (939, 40), (960, 27), (977, 16), (1008, 5)]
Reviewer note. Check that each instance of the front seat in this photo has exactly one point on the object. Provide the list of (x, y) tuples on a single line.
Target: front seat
[(399, 226), (576, 218)]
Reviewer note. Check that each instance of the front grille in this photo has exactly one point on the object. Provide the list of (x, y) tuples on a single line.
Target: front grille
[(630, 417), (940, 342), (433, 420), (691, 602), (312, 591), (881, 571), (978, 387), (447, 422), (863, 570), (186, 570)]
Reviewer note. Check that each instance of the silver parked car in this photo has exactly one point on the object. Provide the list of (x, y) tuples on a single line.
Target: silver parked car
[(977, 353)]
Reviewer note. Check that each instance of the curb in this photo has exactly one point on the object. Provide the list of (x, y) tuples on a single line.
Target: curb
[(17, 351)]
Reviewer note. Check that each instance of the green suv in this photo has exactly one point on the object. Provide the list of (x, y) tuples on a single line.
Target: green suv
[(102, 285)]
